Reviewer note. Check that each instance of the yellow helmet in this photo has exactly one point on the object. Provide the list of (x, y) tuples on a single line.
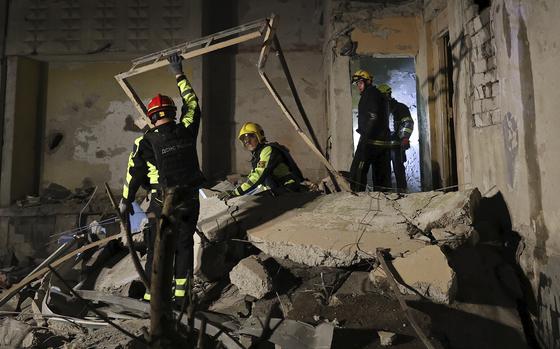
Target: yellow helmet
[(253, 128), (385, 89), (361, 75)]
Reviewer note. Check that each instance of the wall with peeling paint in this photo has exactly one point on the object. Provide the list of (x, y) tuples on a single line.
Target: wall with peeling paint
[(97, 120), (517, 152)]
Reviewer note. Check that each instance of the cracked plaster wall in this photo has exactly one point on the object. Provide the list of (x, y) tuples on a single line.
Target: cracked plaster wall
[(97, 121)]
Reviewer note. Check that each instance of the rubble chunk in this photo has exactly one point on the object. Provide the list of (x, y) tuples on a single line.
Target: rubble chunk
[(426, 271), (251, 277), (386, 339)]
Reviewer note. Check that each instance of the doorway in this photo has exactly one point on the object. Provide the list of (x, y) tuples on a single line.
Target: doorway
[(400, 74)]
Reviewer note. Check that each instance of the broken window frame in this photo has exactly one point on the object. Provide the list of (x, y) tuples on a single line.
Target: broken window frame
[(266, 28)]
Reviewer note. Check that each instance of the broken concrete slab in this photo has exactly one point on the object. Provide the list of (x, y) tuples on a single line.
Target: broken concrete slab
[(342, 229), (13, 332), (251, 277), (426, 271), (117, 279)]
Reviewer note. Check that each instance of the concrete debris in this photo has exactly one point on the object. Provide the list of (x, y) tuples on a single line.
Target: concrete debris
[(386, 339), (426, 271), (251, 277), (13, 332), (118, 278), (343, 230)]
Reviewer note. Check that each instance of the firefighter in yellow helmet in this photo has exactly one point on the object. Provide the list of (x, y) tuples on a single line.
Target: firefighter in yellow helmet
[(273, 166), (373, 149)]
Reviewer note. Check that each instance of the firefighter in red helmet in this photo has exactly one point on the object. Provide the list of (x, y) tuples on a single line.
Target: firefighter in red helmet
[(165, 157)]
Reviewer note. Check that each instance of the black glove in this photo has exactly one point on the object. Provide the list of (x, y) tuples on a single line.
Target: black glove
[(125, 208), (175, 63), (225, 195)]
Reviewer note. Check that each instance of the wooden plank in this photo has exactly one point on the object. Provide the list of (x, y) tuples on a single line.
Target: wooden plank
[(341, 180), (192, 54), (136, 101), (7, 295)]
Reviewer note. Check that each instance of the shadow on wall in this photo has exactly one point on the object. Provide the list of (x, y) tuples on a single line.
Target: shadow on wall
[(218, 97), (489, 273)]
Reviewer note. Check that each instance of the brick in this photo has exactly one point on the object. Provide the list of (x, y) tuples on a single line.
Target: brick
[(495, 88), (489, 104), (478, 92), (482, 120), (491, 62), (477, 23), (490, 76), (477, 107), (487, 90), (470, 28), (496, 117), (482, 36), (480, 66), (487, 50), (478, 79)]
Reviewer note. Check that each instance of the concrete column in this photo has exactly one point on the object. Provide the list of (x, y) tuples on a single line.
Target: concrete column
[(8, 132), (339, 98)]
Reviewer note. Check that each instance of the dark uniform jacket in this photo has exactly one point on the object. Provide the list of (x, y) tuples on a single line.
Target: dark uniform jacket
[(401, 120), (273, 167), (373, 121), (166, 154)]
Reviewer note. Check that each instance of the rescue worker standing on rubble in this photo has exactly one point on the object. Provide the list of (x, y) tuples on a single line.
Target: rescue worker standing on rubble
[(373, 146), (273, 166), (165, 157), (401, 126)]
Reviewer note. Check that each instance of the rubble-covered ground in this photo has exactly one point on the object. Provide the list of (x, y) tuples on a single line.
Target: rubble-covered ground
[(302, 271)]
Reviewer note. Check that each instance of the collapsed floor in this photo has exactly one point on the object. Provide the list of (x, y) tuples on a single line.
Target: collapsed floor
[(309, 263)]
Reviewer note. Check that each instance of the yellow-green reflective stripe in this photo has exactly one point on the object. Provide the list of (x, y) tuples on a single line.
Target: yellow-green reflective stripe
[(180, 293), (153, 174), (374, 142), (409, 130), (147, 296), (180, 282)]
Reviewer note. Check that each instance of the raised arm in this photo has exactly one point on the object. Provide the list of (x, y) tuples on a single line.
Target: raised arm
[(190, 111)]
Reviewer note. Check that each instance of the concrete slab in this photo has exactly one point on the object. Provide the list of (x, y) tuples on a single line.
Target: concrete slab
[(426, 271), (251, 277), (341, 229)]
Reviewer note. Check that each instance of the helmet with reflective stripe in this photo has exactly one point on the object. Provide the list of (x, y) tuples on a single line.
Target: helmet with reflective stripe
[(361, 75), (252, 128), (385, 89), (161, 107)]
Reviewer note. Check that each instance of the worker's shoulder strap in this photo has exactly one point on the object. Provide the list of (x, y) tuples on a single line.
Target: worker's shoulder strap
[(288, 158)]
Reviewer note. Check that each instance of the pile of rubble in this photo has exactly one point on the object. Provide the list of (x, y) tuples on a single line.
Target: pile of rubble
[(302, 270)]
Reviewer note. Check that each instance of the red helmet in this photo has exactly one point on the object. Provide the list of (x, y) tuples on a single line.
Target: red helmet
[(160, 107)]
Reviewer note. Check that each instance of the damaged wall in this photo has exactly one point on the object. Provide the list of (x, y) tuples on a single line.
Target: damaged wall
[(300, 32), (96, 121), (88, 120), (508, 121), (380, 30)]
